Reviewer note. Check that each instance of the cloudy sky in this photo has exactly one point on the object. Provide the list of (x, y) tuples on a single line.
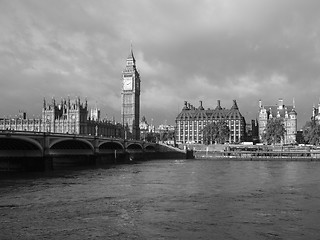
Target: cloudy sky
[(185, 50)]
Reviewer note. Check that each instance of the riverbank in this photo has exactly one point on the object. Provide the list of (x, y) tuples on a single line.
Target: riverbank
[(259, 155), (255, 152)]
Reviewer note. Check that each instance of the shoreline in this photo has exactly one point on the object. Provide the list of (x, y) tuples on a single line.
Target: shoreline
[(258, 156), (283, 159)]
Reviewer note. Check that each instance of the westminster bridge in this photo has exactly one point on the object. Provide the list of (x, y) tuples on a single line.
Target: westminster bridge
[(47, 151)]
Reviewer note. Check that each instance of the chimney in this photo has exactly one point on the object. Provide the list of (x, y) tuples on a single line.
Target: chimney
[(260, 103), (201, 104), (235, 106), (218, 104)]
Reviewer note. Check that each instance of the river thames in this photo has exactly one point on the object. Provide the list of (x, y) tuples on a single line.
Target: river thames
[(165, 199)]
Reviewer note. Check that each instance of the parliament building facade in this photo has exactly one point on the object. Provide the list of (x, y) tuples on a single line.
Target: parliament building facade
[(73, 117), (65, 117), (191, 121)]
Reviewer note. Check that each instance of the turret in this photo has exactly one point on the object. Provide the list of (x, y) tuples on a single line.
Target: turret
[(280, 107), (286, 113), (270, 114)]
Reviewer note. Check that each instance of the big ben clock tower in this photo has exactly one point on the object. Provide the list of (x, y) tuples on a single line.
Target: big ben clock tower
[(131, 97)]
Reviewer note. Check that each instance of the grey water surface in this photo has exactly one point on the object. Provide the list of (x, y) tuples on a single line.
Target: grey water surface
[(165, 199)]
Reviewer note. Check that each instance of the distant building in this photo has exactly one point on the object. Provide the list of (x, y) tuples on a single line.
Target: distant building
[(95, 114), (191, 121), (144, 126), (316, 113), (252, 130), (287, 114), (64, 117), (166, 133), (165, 127)]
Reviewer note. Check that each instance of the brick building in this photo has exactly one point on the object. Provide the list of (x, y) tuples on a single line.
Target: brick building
[(191, 121)]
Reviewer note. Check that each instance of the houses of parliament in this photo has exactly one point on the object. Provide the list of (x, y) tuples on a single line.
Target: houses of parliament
[(73, 116)]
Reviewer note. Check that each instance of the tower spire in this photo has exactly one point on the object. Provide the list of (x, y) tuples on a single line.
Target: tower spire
[(293, 103), (130, 59)]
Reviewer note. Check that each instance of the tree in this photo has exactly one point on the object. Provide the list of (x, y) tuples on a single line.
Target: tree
[(151, 137), (274, 131), (311, 133), (217, 132)]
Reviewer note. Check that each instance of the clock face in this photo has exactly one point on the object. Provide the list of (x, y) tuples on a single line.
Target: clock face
[(127, 83)]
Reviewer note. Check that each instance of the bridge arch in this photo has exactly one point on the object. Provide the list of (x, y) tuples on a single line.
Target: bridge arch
[(19, 143), (20, 154), (150, 148), (134, 146), (71, 144), (108, 145)]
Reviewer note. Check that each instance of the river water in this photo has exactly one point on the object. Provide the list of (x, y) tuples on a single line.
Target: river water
[(165, 199)]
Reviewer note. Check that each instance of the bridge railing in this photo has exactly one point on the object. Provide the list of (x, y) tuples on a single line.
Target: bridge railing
[(69, 135)]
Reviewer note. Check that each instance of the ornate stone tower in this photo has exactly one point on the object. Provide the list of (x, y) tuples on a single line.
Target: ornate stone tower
[(287, 114), (65, 117), (262, 119), (131, 98)]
